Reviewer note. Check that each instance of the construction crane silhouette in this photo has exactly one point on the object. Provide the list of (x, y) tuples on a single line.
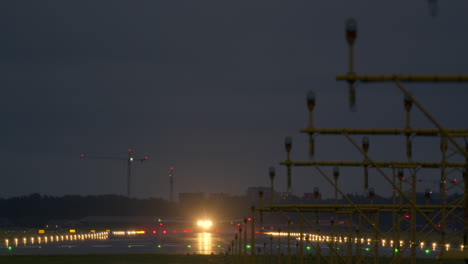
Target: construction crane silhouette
[(171, 183), (130, 159)]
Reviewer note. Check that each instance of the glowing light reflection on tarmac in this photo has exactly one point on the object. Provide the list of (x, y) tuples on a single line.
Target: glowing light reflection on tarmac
[(204, 243)]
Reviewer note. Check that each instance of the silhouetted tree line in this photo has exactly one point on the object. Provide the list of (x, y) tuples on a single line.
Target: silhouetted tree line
[(37, 209)]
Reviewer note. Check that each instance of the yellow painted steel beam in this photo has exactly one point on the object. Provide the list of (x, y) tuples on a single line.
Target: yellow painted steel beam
[(387, 131), (380, 164), (402, 78)]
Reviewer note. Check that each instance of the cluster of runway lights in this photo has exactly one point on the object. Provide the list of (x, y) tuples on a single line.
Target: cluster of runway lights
[(39, 240), (204, 245), (363, 241)]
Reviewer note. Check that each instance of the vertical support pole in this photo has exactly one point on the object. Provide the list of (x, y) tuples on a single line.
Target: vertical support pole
[(272, 189), (129, 172), (352, 92), (465, 209), (234, 246), (252, 236), (245, 238), (317, 237), (310, 106), (289, 241), (336, 174), (288, 146), (376, 238), (231, 248), (350, 242), (443, 193), (171, 184), (331, 254), (365, 148), (239, 242), (319, 250), (301, 241), (375, 226), (413, 218), (400, 203), (271, 248), (408, 104), (358, 236), (394, 215), (279, 246)]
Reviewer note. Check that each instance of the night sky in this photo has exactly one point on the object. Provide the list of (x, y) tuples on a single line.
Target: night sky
[(212, 88)]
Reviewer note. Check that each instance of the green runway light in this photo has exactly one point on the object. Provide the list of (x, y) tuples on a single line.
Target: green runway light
[(248, 246), (159, 246), (396, 250), (159, 220), (69, 246), (367, 249), (9, 248), (40, 247), (308, 248), (189, 246), (427, 251), (129, 246), (219, 246)]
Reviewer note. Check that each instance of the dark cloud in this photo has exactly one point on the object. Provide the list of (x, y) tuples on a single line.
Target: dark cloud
[(209, 87)]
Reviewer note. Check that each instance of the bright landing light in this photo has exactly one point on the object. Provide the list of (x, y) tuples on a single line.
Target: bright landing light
[(205, 224)]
